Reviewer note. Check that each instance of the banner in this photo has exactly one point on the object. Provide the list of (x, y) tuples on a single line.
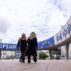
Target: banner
[(63, 34), (46, 43), (4, 46)]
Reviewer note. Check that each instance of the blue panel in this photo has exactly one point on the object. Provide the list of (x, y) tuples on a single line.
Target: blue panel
[(43, 44), (46, 43), (4, 46)]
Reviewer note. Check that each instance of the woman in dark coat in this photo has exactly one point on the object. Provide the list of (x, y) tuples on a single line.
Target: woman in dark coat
[(32, 47), (22, 44)]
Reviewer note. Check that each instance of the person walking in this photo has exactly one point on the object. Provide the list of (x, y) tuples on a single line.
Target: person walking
[(32, 47), (22, 44)]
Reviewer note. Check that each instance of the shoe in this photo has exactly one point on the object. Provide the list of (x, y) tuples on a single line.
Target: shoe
[(29, 62), (22, 61), (35, 61)]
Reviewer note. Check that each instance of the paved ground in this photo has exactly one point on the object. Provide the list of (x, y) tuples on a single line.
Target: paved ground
[(41, 65)]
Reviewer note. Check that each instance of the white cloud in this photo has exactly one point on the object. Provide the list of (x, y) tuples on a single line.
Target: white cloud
[(41, 16), (4, 26)]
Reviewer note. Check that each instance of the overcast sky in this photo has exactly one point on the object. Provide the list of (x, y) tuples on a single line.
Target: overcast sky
[(44, 17)]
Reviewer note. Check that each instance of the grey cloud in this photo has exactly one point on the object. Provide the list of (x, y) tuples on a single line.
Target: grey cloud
[(53, 1), (41, 30), (63, 5), (4, 26)]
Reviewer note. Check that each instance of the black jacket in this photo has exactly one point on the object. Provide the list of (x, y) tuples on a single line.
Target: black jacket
[(22, 44), (32, 46)]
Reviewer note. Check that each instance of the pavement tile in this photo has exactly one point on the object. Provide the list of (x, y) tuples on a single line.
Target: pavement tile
[(41, 65)]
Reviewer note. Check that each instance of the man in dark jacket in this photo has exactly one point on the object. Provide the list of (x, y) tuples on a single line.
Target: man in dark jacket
[(32, 47)]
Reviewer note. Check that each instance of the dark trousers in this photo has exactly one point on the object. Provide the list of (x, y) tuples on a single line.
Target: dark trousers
[(22, 57), (34, 57)]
